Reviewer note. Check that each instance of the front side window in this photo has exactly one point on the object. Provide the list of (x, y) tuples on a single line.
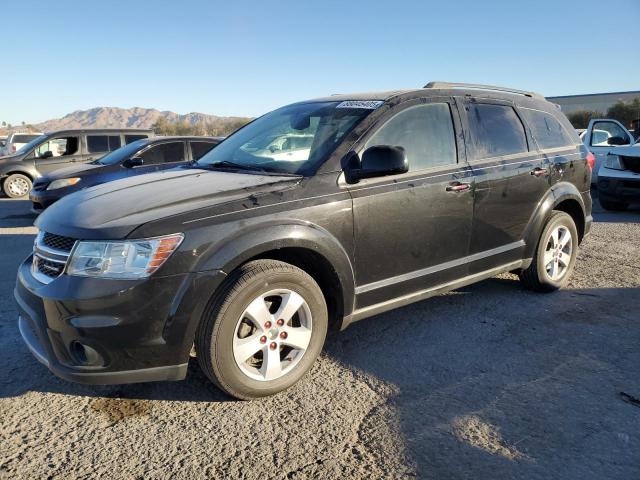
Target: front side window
[(295, 139), (58, 147), (424, 131), (102, 143), (496, 130), (546, 130), (164, 153), (603, 131)]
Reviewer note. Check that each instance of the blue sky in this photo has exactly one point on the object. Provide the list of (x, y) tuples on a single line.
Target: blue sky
[(247, 57)]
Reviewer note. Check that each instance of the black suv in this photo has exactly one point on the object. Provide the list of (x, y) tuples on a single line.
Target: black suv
[(136, 158), (55, 150), (313, 216)]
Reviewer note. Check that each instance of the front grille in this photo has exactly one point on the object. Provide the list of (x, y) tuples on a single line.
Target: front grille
[(631, 163), (50, 255), (48, 268), (58, 242)]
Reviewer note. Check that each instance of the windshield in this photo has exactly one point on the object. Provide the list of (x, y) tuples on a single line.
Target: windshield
[(294, 139), (121, 154), (28, 146)]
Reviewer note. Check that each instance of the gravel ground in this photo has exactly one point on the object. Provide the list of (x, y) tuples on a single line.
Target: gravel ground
[(490, 381)]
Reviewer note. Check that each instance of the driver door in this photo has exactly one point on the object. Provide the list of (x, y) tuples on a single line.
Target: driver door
[(412, 230), (57, 152)]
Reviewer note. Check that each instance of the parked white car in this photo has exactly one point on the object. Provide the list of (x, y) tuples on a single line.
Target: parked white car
[(600, 137), (15, 141), (619, 178)]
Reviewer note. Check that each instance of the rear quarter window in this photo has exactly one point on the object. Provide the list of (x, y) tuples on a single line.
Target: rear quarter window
[(546, 129), (496, 130)]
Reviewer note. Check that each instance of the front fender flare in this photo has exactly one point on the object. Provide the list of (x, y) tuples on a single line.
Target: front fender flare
[(232, 252)]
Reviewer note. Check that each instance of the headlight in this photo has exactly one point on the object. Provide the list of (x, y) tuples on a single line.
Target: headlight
[(63, 182), (614, 162), (125, 259)]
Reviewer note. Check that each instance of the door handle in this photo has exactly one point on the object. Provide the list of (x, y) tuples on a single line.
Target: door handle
[(458, 187), (539, 172)]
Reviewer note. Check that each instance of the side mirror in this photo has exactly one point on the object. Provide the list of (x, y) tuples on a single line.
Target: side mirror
[(381, 160), (133, 162), (617, 141), (47, 154)]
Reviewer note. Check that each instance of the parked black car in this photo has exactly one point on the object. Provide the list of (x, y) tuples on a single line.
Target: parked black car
[(60, 149), (137, 158), (264, 243)]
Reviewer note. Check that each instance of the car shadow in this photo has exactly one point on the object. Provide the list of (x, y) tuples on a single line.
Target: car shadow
[(16, 213), (630, 215)]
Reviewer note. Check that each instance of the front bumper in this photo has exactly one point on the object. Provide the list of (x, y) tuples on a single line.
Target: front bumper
[(100, 331), (42, 199), (619, 185)]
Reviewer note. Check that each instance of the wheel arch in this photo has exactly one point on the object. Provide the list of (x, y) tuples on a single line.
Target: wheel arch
[(563, 196), (307, 246)]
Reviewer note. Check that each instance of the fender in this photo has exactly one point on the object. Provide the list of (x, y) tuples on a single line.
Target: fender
[(18, 166), (557, 194), (233, 251)]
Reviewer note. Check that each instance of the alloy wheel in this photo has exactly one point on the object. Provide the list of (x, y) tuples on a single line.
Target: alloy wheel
[(272, 335), (557, 254)]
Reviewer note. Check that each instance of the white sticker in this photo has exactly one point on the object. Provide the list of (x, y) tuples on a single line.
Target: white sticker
[(368, 104)]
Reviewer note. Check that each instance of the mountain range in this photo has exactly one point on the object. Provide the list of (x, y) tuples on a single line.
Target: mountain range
[(114, 117)]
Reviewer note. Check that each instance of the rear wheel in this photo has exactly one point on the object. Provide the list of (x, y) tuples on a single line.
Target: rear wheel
[(555, 255), (613, 205), (16, 185), (263, 330)]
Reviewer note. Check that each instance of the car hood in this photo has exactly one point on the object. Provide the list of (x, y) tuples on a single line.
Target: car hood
[(73, 171), (9, 158), (627, 151), (113, 210)]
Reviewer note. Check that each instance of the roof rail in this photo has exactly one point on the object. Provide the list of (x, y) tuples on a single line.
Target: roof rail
[(476, 86)]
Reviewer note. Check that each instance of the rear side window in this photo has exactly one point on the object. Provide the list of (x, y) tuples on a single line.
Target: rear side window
[(164, 153), (24, 138), (102, 143), (495, 130), (546, 130), (424, 131), (198, 149), (132, 138)]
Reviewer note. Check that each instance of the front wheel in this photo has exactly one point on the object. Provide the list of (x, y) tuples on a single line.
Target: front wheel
[(555, 255), (16, 185), (264, 329)]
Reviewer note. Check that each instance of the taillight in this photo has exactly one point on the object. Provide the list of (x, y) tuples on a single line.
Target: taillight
[(591, 160)]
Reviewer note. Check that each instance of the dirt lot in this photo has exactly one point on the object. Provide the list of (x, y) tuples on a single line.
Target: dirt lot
[(487, 382)]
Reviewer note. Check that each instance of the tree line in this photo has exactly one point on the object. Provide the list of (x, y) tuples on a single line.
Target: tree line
[(626, 113), (217, 128)]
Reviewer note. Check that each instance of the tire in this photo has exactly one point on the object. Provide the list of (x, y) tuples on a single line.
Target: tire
[(17, 185), (226, 323), (538, 277), (613, 205)]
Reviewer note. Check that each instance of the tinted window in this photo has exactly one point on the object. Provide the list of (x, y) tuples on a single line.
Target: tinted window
[(133, 138), (198, 149), (495, 130), (426, 133), (164, 153), (102, 143), (23, 138), (546, 130)]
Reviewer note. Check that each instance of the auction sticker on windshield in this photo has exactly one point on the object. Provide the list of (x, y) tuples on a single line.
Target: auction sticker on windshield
[(369, 104)]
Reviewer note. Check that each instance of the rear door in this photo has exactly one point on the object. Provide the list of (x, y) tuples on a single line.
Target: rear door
[(509, 176), (601, 136), (412, 230), (160, 156), (199, 148)]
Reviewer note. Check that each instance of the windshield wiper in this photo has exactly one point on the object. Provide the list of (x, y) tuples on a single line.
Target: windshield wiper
[(239, 166)]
